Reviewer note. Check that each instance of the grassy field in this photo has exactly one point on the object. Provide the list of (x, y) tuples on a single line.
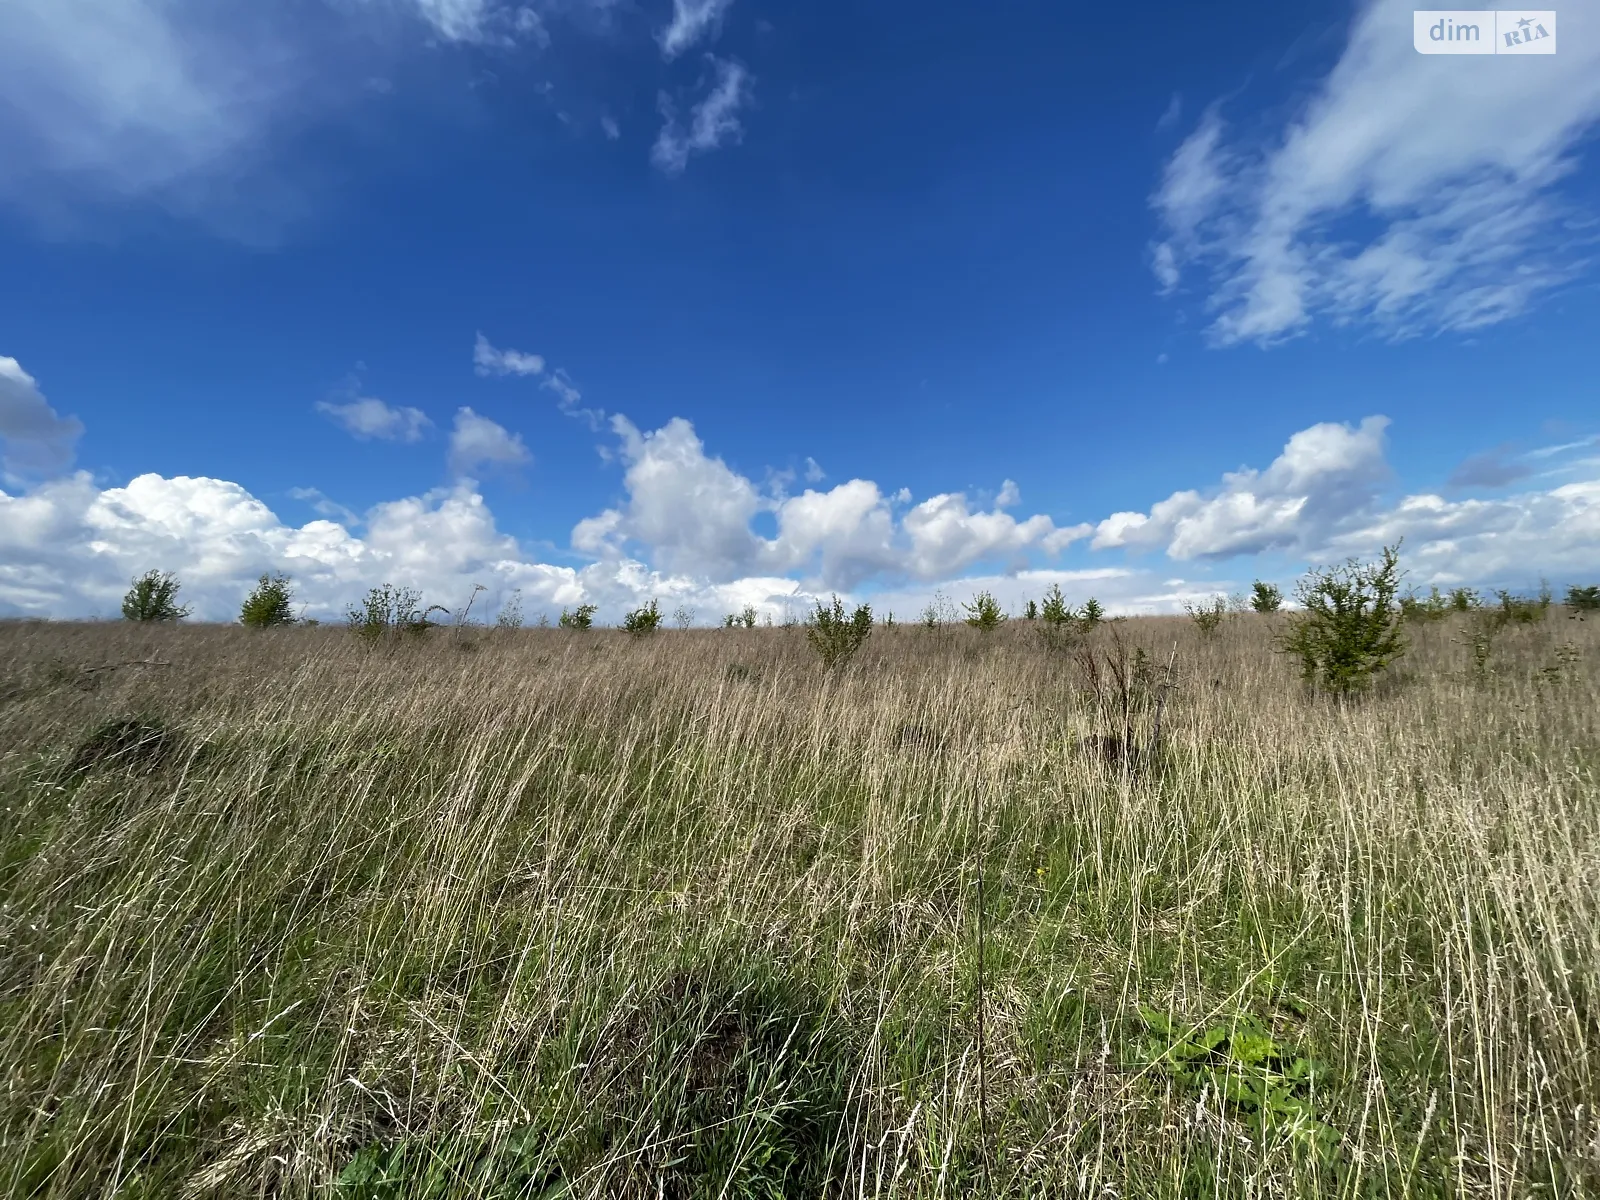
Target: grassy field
[(553, 914)]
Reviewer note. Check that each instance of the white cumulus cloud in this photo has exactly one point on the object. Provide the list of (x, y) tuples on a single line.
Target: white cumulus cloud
[(692, 513), (368, 417), (476, 441), (1326, 479), (36, 439), (69, 548)]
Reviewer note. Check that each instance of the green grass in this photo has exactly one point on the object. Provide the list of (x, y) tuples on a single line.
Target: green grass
[(585, 915)]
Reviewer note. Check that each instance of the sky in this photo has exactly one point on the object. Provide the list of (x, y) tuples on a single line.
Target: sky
[(724, 302)]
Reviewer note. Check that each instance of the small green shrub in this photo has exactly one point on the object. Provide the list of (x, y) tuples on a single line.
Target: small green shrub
[(1432, 607), (521, 1165), (154, 597), (939, 612), (1031, 611), (1584, 599), (641, 621), (1480, 639), (1208, 617), (1240, 1062), (581, 617), (268, 604), (984, 612), (390, 612), (1092, 612), (1463, 599), (683, 615), (1522, 610), (1061, 629), (1349, 630), (837, 637), (747, 616), (1265, 597), (1055, 610), (510, 614)]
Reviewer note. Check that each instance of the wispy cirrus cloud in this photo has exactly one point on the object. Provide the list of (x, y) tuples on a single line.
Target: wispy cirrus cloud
[(489, 361), (712, 122), (482, 21), (1410, 193), (187, 104), (692, 21), (1491, 469)]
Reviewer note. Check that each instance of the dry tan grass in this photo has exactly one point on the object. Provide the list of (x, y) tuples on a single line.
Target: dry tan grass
[(685, 915)]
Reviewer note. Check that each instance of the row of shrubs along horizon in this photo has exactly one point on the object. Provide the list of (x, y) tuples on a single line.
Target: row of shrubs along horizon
[(153, 596), (1347, 630)]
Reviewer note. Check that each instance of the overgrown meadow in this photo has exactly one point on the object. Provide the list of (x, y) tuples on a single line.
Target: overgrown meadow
[(541, 913)]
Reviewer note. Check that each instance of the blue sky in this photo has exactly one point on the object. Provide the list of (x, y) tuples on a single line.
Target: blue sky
[(727, 302)]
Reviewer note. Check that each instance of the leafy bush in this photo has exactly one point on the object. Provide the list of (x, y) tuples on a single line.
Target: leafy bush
[(268, 605), (747, 616), (984, 612), (1432, 607), (1265, 597), (390, 612), (1522, 610), (1463, 599), (837, 637), (1240, 1061), (1208, 617), (154, 597), (643, 620), (1584, 599), (581, 617), (1349, 631), (1092, 612)]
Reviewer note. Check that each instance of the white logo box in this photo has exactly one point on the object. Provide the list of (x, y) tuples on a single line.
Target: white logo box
[(1484, 31)]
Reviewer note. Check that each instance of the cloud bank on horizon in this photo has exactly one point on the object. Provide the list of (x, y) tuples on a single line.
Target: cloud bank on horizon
[(686, 530)]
